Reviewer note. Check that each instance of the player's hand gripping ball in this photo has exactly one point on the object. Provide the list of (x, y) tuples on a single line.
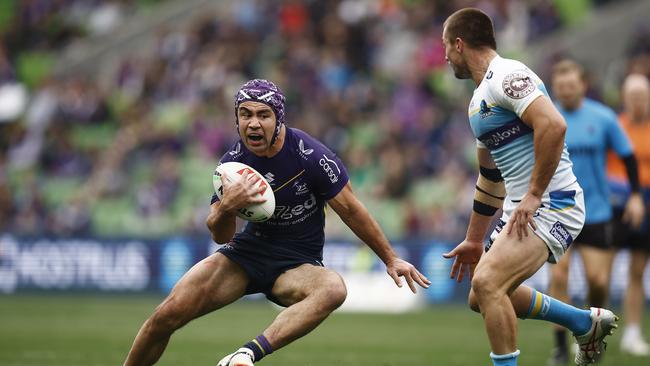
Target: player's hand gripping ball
[(256, 212)]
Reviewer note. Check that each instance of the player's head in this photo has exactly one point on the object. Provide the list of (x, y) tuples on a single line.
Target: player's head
[(636, 96), (569, 84), (259, 110), (466, 30)]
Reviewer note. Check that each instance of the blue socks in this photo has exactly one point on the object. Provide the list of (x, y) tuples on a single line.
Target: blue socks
[(544, 307), (509, 359), (260, 347)]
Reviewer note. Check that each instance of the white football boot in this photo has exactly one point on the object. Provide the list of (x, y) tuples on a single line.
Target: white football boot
[(243, 357), (592, 344)]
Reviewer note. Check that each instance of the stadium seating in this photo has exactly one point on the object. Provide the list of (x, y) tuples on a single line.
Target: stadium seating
[(135, 156)]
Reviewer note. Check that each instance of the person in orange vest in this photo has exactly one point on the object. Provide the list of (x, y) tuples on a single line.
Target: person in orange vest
[(635, 120)]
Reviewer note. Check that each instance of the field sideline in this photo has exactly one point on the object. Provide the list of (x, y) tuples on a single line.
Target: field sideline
[(84, 330)]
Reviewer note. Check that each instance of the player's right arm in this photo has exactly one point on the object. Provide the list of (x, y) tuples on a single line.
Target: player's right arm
[(221, 223), (488, 199), (236, 195)]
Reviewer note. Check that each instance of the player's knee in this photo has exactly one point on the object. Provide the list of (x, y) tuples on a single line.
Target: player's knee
[(598, 283), (333, 293), (483, 287), (167, 317), (473, 302)]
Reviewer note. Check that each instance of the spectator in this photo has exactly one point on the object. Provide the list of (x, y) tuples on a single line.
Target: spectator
[(367, 76)]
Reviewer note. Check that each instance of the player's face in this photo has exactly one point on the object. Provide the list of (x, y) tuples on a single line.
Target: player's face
[(636, 100), (454, 57), (569, 89), (256, 125)]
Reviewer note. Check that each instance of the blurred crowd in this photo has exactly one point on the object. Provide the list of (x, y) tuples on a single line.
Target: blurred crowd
[(135, 158)]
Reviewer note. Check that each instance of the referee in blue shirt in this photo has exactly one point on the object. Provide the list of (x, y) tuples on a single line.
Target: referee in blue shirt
[(592, 129)]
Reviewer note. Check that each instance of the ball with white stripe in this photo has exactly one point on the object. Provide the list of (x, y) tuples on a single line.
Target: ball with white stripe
[(257, 212)]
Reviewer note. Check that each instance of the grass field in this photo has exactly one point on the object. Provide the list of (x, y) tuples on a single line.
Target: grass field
[(83, 330)]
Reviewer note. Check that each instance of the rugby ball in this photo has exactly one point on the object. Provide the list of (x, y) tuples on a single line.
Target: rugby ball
[(234, 170)]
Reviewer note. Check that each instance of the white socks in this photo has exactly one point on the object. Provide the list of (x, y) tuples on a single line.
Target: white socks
[(632, 331)]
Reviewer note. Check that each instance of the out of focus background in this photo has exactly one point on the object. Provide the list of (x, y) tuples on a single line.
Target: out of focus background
[(114, 113)]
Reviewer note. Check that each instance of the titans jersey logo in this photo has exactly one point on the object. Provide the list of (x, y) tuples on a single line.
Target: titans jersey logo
[(517, 85)]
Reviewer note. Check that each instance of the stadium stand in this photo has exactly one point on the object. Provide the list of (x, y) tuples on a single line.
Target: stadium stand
[(134, 155)]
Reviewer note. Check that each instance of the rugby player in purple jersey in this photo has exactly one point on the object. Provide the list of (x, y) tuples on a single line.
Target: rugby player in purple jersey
[(281, 257)]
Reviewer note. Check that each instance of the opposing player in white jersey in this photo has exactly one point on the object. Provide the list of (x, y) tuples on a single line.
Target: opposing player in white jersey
[(524, 162)]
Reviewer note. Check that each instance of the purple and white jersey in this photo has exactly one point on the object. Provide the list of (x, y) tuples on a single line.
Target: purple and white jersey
[(303, 175)]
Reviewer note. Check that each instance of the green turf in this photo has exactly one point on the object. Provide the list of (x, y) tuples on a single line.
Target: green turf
[(83, 330)]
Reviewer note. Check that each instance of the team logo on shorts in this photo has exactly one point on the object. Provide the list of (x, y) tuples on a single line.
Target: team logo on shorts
[(561, 233), (517, 85)]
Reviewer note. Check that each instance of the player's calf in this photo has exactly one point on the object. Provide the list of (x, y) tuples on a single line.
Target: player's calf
[(154, 334), (167, 318), (559, 285)]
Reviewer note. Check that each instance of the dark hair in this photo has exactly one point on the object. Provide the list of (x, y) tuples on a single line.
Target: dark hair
[(567, 66), (473, 26)]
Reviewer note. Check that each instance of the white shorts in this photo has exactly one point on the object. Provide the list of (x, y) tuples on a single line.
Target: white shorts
[(559, 219)]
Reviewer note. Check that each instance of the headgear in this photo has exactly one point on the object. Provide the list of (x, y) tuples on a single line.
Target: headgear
[(263, 91)]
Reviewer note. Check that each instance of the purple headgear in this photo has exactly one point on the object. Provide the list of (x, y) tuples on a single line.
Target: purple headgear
[(263, 91)]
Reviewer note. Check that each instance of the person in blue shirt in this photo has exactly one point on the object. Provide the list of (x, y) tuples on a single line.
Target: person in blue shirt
[(592, 130), (281, 257), (524, 171)]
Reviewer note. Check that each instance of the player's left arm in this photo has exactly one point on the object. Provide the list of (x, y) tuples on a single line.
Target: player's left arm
[(355, 215), (618, 140), (549, 129)]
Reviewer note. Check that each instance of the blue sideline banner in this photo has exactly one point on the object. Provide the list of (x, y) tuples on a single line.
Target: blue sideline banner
[(133, 266), (88, 264)]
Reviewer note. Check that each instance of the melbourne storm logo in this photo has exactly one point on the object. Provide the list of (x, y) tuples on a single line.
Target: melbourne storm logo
[(517, 85), (300, 187)]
